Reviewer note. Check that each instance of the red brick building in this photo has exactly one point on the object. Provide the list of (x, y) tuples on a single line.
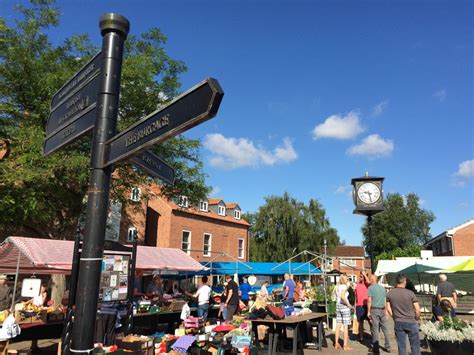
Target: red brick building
[(211, 231), (349, 260), (457, 241)]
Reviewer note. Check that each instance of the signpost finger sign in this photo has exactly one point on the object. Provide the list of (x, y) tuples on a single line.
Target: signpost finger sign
[(186, 111)]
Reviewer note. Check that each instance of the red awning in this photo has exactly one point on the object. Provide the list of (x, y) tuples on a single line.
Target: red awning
[(47, 256)]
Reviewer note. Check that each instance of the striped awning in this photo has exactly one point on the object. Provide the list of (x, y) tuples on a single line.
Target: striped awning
[(48, 256)]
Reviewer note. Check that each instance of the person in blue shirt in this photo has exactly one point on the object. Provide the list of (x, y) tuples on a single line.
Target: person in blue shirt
[(444, 309), (288, 290), (244, 290)]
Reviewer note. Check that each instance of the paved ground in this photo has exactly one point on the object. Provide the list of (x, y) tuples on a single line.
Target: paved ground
[(50, 346)]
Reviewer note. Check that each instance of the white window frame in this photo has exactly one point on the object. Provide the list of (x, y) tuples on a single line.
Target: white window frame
[(136, 194), (209, 249), (349, 262), (243, 248), (204, 206), (183, 201), (188, 250), (132, 233), (221, 210), (237, 214)]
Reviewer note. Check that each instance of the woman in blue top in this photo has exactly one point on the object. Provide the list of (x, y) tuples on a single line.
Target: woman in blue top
[(444, 309), (244, 290)]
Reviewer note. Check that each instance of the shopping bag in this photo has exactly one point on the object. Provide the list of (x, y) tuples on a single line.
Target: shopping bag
[(355, 325), (185, 312), (10, 328)]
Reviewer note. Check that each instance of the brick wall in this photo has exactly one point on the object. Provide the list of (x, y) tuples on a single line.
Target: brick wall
[(224, 236), (464, 241), (167, 231), (349, 270)]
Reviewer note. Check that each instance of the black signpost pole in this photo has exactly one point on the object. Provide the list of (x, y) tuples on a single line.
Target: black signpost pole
[(371, 247), (114, 29)]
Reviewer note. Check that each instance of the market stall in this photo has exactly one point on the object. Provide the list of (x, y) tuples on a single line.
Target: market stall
[(264, 328), (20, 255)]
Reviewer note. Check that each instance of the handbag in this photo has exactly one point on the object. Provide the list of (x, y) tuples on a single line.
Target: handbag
[(355, 325), (276, 313)]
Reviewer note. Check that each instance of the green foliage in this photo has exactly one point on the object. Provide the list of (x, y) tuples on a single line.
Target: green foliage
[(284, 226), (43, 196), (403, 224), (452, 323), (410, 250)]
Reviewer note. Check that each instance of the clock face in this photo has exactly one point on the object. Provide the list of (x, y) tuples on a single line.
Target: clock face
[(368, 193)]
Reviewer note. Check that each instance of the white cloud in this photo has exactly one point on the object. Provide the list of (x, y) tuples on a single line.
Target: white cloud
[(339, 127), (373, 146), (380, 108), (215, 191), (232, 153), (466, 169), (341, 189), (465, 173), (440, 95), (344, 190)]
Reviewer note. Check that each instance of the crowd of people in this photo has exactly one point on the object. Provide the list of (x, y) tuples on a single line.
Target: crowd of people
[(371, 305), (374, 305)]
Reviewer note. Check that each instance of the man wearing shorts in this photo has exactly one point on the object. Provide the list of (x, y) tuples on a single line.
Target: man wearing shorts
[(362, 298)]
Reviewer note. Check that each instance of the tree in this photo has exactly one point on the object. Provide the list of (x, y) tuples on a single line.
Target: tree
[(284, 226), (44, 196), (403, 224), (412, 250)]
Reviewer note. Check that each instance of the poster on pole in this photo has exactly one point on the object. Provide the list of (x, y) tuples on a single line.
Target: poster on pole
[(114, 278)]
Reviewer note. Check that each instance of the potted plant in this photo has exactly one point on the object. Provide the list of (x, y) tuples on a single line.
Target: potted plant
[(451, 336)]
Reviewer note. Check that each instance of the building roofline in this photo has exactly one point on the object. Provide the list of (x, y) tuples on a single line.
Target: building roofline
[(213, 216), (196, 212), (449, 232), (461, 226)]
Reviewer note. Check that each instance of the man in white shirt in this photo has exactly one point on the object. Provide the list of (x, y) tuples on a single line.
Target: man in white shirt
[(203, 294)]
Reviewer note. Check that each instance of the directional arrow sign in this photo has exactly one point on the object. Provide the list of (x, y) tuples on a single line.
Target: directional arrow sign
[(186, 111), (83, 75), (69, 133), (154, 166), (74, 107)]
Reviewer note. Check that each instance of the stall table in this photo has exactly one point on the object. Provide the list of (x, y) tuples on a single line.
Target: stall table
[(294, 322), (39, 331), (150, 321)]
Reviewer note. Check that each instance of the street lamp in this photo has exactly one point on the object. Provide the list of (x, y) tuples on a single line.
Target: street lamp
[(367, 193)]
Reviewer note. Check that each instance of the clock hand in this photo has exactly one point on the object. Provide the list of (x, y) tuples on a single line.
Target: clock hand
[(370, 195)]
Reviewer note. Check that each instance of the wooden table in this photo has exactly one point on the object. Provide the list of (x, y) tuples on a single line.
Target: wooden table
[(294, 322)]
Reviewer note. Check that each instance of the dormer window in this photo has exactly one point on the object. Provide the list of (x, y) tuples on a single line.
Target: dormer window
[(132, 234), (183, 201), (221, 210), (135, 195), (204, 206), (237, 214)]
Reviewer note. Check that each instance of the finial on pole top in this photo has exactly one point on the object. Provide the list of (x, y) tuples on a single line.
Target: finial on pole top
[(114, 22)]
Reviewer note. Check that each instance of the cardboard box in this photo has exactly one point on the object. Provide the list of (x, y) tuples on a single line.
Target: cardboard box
[(143, 345), (55, 316)]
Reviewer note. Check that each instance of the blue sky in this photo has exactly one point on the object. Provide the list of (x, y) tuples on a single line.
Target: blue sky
[(318, 92)]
